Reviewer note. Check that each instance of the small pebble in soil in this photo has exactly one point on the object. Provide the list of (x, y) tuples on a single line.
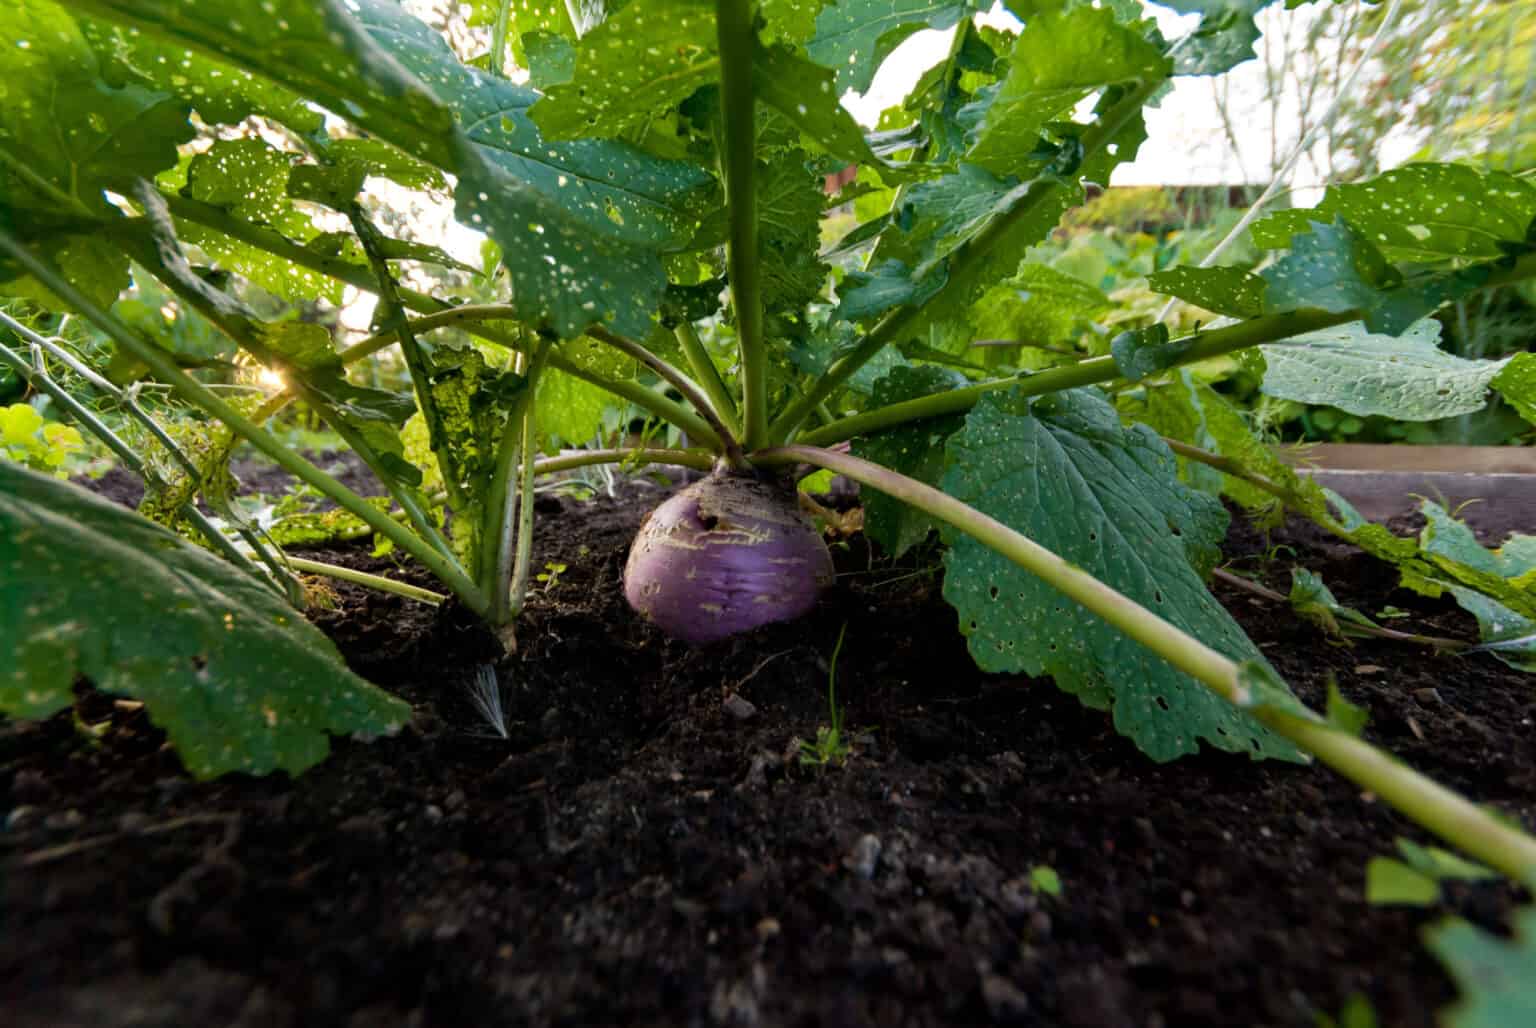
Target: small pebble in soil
[(864, 856), (1004, 1000), (64, 819), (739, 707)]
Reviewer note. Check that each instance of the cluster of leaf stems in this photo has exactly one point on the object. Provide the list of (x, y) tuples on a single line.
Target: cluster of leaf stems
[(741, 436)]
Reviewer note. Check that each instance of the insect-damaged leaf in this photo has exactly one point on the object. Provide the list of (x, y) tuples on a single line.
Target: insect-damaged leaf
[(1408, 377), (854, 37), (1229, 291), (1497, 977), (643, 58), (1517, 384), (66, 135), (915, 450), (1058, 59), (582, 224), (1421, 212), (1063, 471), (238, 680)]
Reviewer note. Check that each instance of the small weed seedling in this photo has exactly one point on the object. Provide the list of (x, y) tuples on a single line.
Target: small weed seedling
[(550, 576), (830, 746)]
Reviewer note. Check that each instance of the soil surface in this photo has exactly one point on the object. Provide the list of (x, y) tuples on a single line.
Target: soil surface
[(647, 847)]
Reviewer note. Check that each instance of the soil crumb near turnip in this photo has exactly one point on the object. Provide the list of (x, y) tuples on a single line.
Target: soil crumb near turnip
[(646, 847)]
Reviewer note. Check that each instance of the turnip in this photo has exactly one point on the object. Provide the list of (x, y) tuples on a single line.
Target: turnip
[(725, 555)]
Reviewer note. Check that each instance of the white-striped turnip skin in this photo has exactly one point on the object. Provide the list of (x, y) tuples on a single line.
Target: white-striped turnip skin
[(725, 555)]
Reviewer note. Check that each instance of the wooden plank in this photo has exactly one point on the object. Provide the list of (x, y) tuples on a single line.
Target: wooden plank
[(1387, 457), (1380, 495)]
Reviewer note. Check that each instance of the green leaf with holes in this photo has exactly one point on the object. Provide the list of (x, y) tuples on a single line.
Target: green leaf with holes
[(1229, 291), (67, 134), (219, 93), (1224, 37), (854, 37), (237, 679), (582, 224), (1421, 212), (1408, 377), (915, 450), (1058, 59), (803, 93), (1062, 471), (1496, 977), (1516, 382), (640, 60)]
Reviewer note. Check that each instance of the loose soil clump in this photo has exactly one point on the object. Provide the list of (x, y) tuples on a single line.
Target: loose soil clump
[(645, 846)]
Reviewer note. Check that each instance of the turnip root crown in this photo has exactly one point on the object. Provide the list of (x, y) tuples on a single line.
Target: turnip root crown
[(725, 555)]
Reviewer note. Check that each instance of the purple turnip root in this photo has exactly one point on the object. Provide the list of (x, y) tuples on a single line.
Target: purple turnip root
[(725, 555)]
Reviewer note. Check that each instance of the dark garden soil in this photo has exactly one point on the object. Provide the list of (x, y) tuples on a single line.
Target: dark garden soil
[(647, 848)]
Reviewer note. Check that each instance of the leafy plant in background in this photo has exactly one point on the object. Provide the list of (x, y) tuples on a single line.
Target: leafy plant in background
[(661, 159), (28, 438)]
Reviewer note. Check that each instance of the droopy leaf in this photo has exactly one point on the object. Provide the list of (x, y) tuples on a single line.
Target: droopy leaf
[(1496, 977), (66, 135), (1421, 212), (218, 92), (915, 450), (803, 93), (1057, 60), (60, 121), (1517, 384), (1230, 291), (1063, 471), (238, 680), (1140, 352), (1312, 599), (1039, 305), (854, 37), (1409, 377), (1224, 38), (642, 59), (581, 224), (1331, 267)]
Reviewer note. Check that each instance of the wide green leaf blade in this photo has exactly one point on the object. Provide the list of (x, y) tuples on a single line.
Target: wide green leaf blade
[(1058, 60), (1496, 977), (642, 59), (1517, 384), (581, 224), (1421, 212), (1224, 38), (317, 49), (854, 37), (238, 680), (1408, 377), (1229, 291), (915, 450), (67, 135), (1063, 471)]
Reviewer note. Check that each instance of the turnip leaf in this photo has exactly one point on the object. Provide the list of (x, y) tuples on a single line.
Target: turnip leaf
[(1063, 471), (238, 680)]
